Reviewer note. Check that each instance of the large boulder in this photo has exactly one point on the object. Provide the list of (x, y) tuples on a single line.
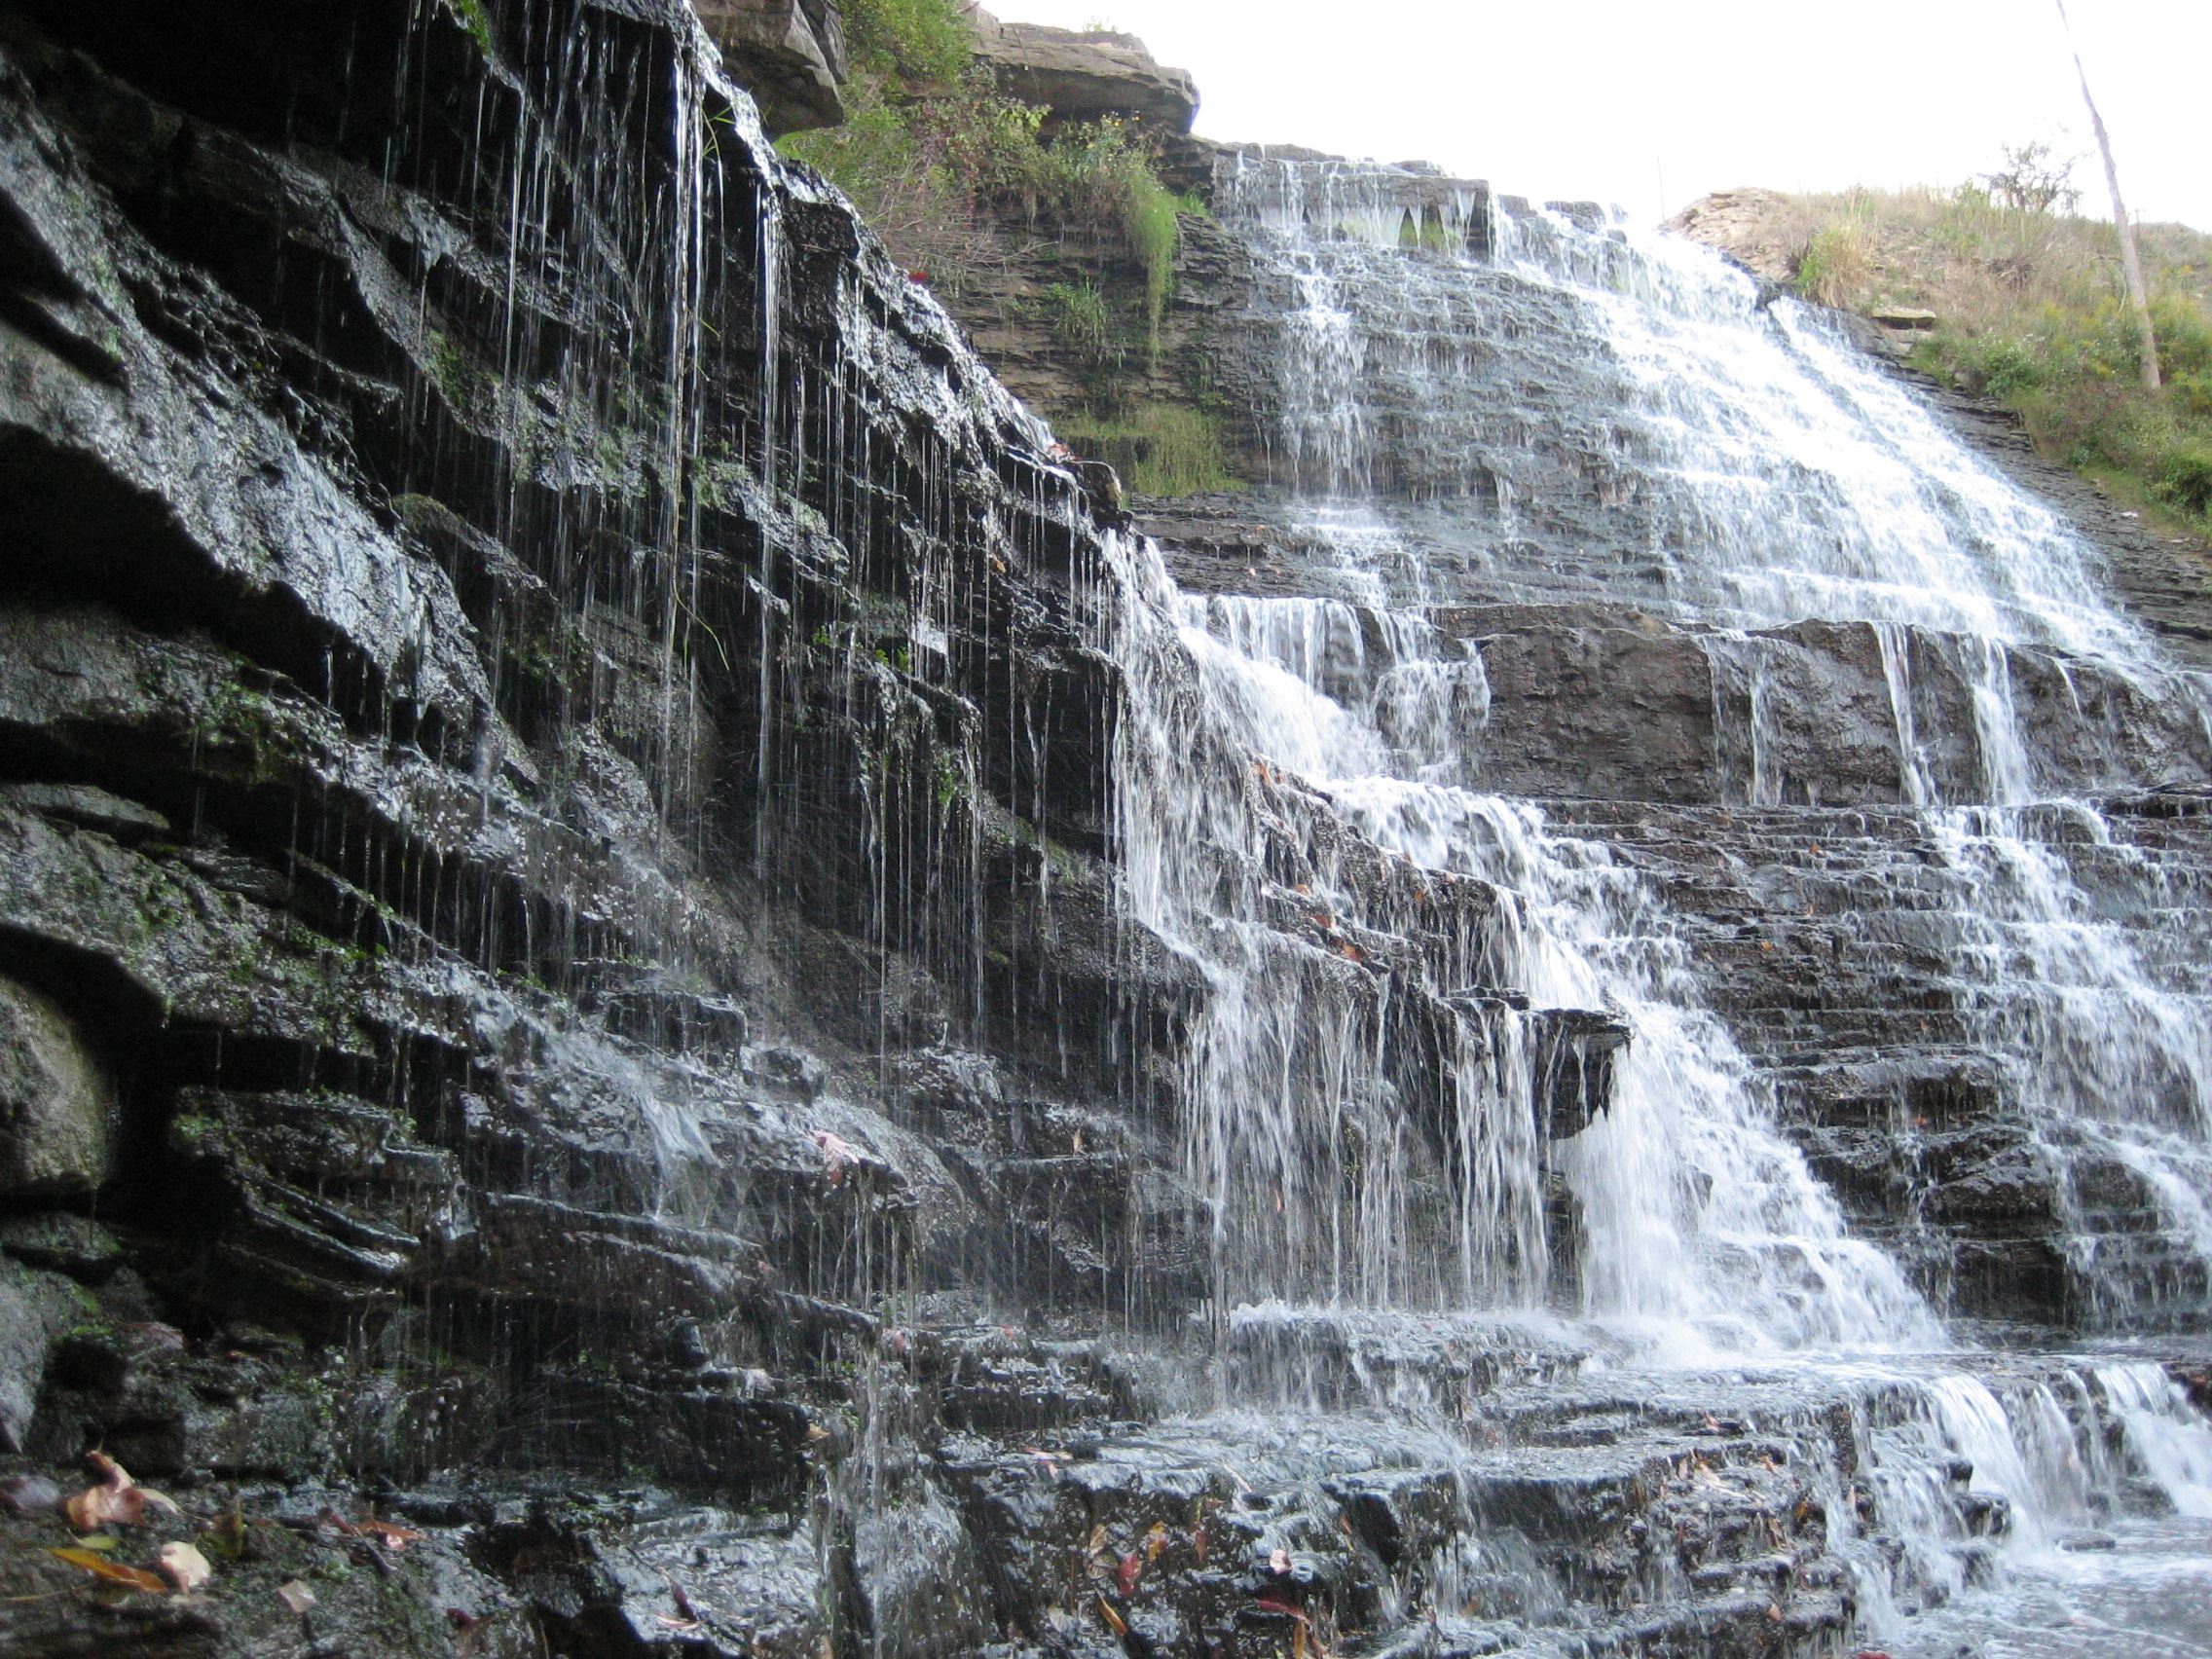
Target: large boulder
[(1756, 228), (56, 1106), (36, 1309), (1085, 75), (790, 54)]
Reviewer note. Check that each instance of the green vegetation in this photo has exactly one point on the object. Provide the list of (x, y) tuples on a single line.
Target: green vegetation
[(933, 155), (1159, 449), (1069, 229), (470, 15), (1081, 322), (2033, 310)]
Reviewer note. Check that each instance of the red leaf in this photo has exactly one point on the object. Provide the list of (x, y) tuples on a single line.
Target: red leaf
[(1132, 1569)]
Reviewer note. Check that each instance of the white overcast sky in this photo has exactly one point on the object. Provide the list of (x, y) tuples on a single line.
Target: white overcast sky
[(1652, 103)]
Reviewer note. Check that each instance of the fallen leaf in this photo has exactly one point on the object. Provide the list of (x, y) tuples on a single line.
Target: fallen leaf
[(393, 1537), (1278, 1563), (1156, 1540), (115, 1502), (839, 1155), (331, 1518), (682, 1601), (1198, 1542), (107, 1544), (186, 1567), (1132, 1569), (295, 1596), (1119, 1624), (110, 1572)]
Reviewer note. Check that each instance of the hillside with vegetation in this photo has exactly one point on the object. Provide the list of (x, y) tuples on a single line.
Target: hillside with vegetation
[(2022, 301), (1055, 242)]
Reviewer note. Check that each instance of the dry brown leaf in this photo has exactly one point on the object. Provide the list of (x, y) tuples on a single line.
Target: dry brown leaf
[(295, 1596), (110, 1572), (391, 1536), (839, 1155), (1156, 1540), (1119, 1624), (115, 1502), (186, 1567)]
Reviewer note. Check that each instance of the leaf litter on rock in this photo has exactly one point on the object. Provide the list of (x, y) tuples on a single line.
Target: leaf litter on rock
[(112, 1572)]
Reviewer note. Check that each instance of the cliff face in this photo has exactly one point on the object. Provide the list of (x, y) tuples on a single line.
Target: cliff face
[(553, 802), (563, 985)]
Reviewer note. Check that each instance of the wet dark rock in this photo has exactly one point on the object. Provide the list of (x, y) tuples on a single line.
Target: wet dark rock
[(58, 1109), (36, 1308), (554, 776)]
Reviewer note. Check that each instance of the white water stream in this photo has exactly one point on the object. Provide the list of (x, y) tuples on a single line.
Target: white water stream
[(1751, 468)]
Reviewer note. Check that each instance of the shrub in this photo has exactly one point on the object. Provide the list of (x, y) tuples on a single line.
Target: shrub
[(2185, 478), (1159, 449), (1081, 322), (2001, 368), (1836, 265), (922, 42)]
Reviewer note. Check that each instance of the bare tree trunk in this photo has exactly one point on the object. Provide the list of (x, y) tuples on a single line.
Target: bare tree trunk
[(2130, 258)]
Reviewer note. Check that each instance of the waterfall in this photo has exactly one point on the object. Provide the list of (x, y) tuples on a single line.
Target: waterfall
[(1484, 404)]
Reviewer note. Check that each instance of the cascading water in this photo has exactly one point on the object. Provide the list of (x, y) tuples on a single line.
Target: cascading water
[(1484, 405)]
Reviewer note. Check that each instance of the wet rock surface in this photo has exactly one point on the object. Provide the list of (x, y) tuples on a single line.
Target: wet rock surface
[(573, 1078)]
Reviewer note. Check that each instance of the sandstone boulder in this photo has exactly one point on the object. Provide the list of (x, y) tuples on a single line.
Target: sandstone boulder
[(790, 54), (1751, 226), (56, 1106), (1087, 74)]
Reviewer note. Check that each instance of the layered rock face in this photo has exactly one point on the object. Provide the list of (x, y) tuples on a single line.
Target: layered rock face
[(790, 54), (552, 827), (1085, 75), (629, 944)]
